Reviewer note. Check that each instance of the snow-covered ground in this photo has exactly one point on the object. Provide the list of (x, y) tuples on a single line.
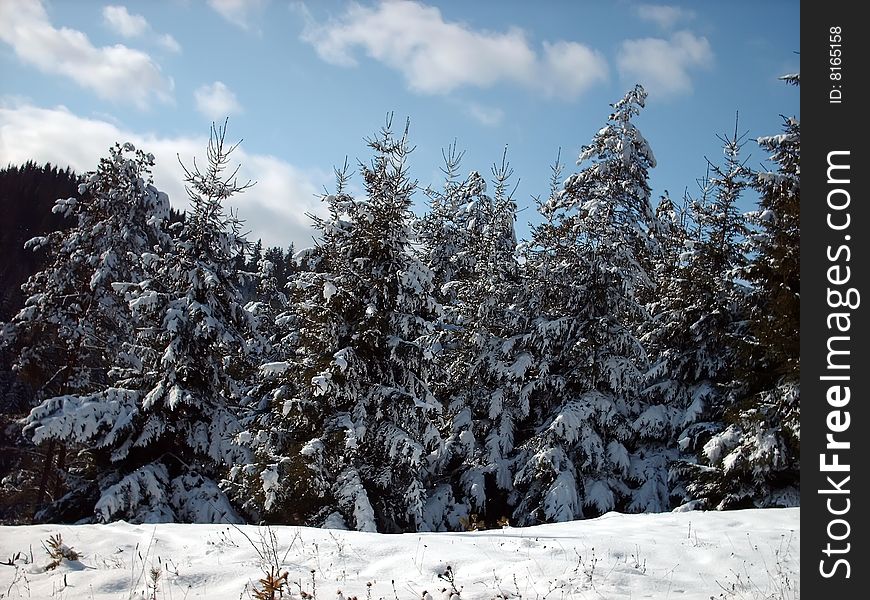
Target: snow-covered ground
[(749, 554)]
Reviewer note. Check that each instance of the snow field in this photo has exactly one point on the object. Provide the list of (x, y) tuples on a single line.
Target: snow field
[(749, 554)]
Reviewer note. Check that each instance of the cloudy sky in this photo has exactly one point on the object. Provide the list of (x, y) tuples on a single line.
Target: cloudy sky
[(303, 83)]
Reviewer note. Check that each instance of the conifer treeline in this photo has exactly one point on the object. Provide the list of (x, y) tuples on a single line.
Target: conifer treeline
[(412, 374)]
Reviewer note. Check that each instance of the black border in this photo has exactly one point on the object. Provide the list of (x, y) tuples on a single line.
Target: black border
[(826, 127)]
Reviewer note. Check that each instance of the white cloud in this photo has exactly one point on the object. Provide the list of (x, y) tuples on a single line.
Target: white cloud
[(436, 56), (216, 101), (274, 209), (570, 68), (239, 12), (169, 43), (125, 24), (663, 66), (119, 19), (485, 115), (115, 73), (665, 16)]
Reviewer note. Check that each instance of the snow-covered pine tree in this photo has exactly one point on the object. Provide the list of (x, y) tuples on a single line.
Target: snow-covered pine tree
[(443, 231), (73, 323), (161, 434), (585, 364), (480, 388), (269, 305), (698, 318), (755, 460), (669, 401), (349, 423), (27, 195), (269, 429), (774, 270)]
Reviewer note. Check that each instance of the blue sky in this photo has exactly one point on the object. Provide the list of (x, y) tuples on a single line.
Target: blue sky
[(305, 82)]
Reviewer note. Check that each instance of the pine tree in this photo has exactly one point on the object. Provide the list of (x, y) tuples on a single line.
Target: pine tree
[(474, 376), (775, 268), (755, 460), (699, 318), (590, 260), (671, 394), (351, 406), (268, 428), (27, 194), (447, 232), (161, 433), (73, 322)]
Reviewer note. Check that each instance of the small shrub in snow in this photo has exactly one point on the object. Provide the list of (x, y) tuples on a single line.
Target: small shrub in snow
[(58, 551), (272, 585), (154, 575)]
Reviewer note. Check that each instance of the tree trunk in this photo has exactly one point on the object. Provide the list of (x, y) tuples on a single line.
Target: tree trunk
[(59, 472), (46, 473)]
